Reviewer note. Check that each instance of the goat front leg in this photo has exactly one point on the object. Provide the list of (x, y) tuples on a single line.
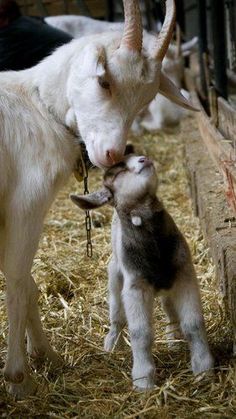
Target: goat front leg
[(38, 346), (117, 315), (185, 299), (22, 236), (138, 300)]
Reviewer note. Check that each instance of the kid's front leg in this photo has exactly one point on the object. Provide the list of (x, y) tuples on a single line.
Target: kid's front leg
[(138, 300)]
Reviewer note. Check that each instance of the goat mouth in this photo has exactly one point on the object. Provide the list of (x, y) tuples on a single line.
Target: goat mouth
[(147, 165)]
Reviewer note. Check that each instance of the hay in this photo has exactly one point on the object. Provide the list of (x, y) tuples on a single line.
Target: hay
[(74, 311)]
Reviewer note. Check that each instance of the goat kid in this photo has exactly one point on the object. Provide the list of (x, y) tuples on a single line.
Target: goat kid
[(94, 86), (150, 256)]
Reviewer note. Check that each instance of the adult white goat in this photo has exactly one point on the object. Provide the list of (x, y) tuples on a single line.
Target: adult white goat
[(161, 112), (94, 86)]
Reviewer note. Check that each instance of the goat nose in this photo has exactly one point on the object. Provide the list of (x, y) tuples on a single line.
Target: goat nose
[(142, 159), (114, 156)]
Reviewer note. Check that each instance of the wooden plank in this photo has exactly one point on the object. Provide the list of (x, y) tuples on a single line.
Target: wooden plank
[(227, 120), (219, 149), (217, 219), (97, 8)]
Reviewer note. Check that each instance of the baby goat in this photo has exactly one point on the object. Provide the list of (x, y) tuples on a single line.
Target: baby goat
[(150, 256)]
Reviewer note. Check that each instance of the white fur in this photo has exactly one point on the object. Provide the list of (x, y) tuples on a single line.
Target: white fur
[(38, 154), (135, 296), (161, 112), (137, 221)]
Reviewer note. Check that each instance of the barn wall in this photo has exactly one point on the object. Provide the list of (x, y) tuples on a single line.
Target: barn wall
[(96, 8)]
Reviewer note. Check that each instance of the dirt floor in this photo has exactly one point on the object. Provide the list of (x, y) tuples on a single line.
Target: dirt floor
[(74, 310)]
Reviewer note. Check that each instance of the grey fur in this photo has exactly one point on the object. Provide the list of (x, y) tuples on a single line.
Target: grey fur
[(150, 255)]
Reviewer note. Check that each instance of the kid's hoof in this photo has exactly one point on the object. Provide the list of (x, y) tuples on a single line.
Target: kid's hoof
[(20, 391)]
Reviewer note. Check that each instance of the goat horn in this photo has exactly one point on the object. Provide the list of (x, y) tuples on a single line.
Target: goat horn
[(165, 35), (133, 33)]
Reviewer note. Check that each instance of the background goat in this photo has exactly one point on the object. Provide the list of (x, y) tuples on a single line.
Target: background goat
[(150, 256)]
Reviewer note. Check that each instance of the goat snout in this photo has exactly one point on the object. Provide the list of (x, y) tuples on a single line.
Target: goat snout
[(145, 161), (113, 157)]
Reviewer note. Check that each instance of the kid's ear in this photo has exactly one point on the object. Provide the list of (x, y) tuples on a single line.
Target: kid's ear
[(92, 200)]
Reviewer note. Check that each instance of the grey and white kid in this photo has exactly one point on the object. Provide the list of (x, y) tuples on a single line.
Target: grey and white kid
[(150, 257)]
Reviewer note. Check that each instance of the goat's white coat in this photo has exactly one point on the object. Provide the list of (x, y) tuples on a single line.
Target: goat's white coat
[(161, 112), (38, 154)]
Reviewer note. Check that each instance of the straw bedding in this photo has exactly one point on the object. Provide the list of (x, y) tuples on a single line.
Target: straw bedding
[(92, 383)]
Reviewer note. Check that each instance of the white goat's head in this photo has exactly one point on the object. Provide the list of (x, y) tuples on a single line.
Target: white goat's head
[(113, 79)]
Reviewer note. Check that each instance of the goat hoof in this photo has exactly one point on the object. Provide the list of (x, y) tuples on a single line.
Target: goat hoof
[(16, 377), (20, 391), (143, 384), (39, 356), (110, 341), (55, 360), (144, 380), (202, 363)]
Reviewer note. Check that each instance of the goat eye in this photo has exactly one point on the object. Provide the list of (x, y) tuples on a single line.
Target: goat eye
[(104, 84)]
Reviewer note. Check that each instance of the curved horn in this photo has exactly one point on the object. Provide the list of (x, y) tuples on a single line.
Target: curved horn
[(178, 41), (133, 33), (165, 35)]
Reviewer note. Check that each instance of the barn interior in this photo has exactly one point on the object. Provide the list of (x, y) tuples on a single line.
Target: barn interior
[(196, 166)]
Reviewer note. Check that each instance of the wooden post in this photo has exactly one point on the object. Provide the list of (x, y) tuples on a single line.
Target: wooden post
[(110, 10), (84, 10), (180, 17), (203, 48), (219, 46)]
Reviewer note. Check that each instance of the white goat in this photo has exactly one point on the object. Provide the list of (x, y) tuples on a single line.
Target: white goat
[(161, 112), (78, 26), (93, 86), (150, 256)]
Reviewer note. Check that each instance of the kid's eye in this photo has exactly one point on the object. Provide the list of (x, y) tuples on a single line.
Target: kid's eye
[(104, 84)]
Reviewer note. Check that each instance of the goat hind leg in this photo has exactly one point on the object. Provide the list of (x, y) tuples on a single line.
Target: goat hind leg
[(117, 315), (38, 346), (22, 236), (172, 328), (185, 297)]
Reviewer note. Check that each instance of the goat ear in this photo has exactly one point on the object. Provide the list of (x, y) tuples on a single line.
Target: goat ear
[(190, 46), (93, 61), (92, 200), (168, 89)]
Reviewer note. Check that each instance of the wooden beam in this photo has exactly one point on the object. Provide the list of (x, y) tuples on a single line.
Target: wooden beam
[(217, 219), (227, 121), (219, 46), (220, 149)]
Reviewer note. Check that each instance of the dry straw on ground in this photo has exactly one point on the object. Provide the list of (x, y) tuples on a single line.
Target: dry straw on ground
[(95, 384)]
